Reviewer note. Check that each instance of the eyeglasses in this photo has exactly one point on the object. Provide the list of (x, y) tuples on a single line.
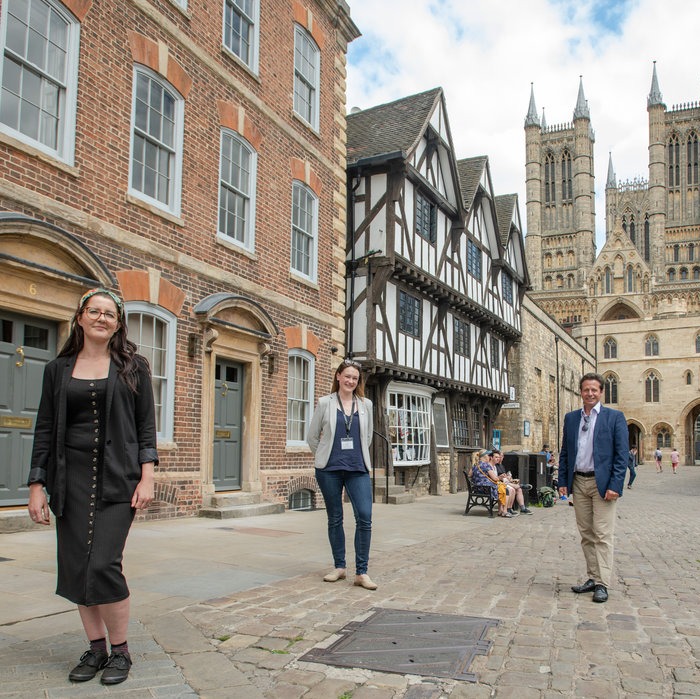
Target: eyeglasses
[(352, 363), (95, 313), (586, 420)]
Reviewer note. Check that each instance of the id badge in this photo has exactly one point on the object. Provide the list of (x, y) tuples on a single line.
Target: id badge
[(346, 443)]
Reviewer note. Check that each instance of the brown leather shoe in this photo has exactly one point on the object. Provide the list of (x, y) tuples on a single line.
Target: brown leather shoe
[(365, 581), (337, 574)]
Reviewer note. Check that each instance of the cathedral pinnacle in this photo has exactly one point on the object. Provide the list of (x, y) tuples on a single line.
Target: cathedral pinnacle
[(612, 182), (581, 111), (654, 97), (544, 121), (532, 119)]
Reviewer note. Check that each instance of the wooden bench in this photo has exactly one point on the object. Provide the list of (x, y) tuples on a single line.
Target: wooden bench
[(479, 495)]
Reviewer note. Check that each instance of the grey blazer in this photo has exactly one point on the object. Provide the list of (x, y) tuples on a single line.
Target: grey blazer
[(322, 429)]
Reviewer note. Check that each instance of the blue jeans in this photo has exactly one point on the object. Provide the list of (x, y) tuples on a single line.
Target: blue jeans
[(359, 489)]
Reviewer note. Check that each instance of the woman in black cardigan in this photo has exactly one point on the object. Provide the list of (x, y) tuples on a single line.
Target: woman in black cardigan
[(94, 454)]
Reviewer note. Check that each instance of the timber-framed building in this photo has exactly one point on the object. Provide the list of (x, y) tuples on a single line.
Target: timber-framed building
[(436, 275)]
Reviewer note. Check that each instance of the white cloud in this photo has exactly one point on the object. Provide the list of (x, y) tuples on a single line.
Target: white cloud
[(485, 54)]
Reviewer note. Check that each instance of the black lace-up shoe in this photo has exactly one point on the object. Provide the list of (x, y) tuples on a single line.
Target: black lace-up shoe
[(91, 662), (117, 668)]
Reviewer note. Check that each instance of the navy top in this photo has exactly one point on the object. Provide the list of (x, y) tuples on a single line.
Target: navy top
[(346, 459)]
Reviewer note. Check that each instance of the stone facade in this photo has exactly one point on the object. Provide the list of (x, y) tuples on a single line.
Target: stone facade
[(210, 291), (636, 305)]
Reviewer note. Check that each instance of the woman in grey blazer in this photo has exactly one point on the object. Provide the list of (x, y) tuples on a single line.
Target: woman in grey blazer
[(339, 436)]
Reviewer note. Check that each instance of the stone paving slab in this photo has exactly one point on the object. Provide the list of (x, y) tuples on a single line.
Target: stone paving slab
[(252, 602)]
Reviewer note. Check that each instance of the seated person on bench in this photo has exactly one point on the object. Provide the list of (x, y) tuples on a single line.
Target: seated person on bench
[(506, 476), (484, 475)]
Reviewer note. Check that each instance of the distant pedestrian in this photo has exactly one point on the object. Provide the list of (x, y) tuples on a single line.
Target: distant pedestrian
[(339, 436), (592, 464), (658, 456), (675, 457), (632, 466)]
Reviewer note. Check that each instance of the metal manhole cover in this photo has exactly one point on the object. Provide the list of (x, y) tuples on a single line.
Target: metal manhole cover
[(409, 643)]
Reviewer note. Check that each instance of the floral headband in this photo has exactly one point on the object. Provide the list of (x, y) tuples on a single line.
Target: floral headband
[(89, 294)]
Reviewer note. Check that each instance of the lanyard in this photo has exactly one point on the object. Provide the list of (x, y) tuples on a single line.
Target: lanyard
[(348, 421)]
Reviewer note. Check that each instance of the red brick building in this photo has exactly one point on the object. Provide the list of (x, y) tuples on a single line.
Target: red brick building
[(191, 155)]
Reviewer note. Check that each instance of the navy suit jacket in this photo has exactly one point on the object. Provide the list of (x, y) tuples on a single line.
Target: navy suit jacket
[(610, 450)]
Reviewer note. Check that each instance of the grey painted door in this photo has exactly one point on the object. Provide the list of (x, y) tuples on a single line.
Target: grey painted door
[(26, 345), (228, 415)]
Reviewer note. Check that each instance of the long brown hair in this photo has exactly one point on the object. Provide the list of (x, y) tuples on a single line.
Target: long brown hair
[(122, 351), (349, 364)]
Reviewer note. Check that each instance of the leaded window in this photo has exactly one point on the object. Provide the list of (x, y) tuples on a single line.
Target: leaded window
[(549, 177), (462, 342), (610, 348), (692, 158), (651, 346), (674, 166), (566, 181), (409, 314), (610, 389), (651, 388), (507, 287), (426, 218), (474, 260), (460, 425), (409, 420)]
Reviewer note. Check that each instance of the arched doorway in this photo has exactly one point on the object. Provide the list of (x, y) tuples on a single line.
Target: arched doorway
[(636, 439)]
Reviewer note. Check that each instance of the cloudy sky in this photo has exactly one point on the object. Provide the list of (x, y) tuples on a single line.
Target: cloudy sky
[(486, 53)]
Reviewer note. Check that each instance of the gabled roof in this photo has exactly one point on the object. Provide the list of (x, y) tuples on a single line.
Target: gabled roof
[(470, 171), (504, 214), (392, 128)]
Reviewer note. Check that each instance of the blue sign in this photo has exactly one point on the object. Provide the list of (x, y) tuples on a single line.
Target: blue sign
[(496, 439)]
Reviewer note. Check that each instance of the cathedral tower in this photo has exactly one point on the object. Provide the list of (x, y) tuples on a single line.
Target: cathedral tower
[(560, 207)]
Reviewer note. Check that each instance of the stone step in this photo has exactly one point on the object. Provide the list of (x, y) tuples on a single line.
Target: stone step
[(393, 489), (404, 498), (238, 498), (239, 511)]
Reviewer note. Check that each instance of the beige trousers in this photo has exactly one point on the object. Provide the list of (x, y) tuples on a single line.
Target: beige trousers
[(595, 518)]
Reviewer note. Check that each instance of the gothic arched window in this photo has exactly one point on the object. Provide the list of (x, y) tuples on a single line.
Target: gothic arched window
[(647, 239), (651, 346), (674, 167), (663, 438), (688, 378), (566, 188), (610, 348), (696, 272), (610, 389), (549, 189), (624, 224), (693, 158), (684, 273), (651, 388), (676, 252), (633, 232), (608, 281), (630, 279), (672, 275), (697, 343)]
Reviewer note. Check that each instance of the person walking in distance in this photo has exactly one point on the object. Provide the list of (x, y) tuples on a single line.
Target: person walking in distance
[(339, 437), (657, 457), (675, 458), (592, 465), (94, 454)]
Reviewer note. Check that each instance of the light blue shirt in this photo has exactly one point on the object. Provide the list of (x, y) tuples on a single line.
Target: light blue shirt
[(584, 453)]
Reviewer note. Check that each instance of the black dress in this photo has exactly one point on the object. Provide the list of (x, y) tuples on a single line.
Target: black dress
[(91, 533)]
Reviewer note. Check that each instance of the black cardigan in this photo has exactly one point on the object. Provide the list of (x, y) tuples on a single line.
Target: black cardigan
[(129, 439)]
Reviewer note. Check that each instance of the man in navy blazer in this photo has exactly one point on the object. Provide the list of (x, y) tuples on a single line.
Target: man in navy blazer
[(592, 466)]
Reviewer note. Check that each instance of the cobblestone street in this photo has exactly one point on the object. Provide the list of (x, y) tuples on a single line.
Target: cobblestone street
[(226, 609)]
